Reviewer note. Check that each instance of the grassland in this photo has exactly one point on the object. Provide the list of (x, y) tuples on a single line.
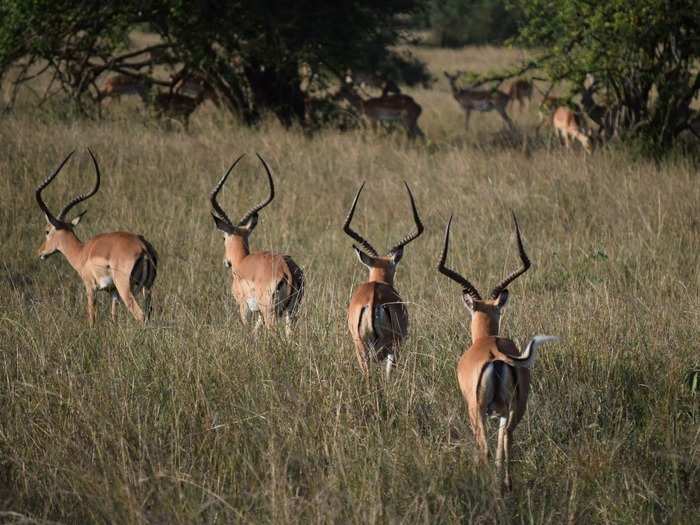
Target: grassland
[(194, 419)]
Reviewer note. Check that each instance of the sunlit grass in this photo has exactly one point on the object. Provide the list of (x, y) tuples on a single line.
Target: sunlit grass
[(194, 419)]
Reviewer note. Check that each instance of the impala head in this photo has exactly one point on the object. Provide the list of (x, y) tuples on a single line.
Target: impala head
[(236, 235), (452, 79), (381, 267), (485, 313), (57, 227)]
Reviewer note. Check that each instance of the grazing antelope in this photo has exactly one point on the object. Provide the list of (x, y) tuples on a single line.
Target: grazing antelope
[(263, 282), (520, 90), (195, 85), (569, 124), (119, 262), (385, 109), (493, 375), (480, 100), (117, 86), (377, 317)]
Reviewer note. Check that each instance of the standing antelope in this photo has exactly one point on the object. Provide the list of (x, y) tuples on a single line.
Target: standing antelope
[(119, 262), (263, 282), (385, 109), (493, 375), (520, 90), (377, 317), (480, 100)]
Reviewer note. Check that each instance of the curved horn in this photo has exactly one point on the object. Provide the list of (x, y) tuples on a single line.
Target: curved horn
[(467, 287), (217, 188), (84, 197), (513, 275), (53, 220), (419, 225), (346, 226), (267, 201)]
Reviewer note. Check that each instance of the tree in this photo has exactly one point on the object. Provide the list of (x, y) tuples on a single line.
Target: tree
[(461, 22), (642, 54), (249, 50)]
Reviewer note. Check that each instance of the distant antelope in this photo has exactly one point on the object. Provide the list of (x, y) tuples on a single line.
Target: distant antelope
[(385, 109), (176, 106), (493, 375), (121, 263), (195, 85), (480, 100), (520, 90), (568, 125), (377, 317), (263, 282), (120, 85)]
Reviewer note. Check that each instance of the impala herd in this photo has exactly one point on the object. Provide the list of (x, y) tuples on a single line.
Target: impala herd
[(493, 374), (189, 90)]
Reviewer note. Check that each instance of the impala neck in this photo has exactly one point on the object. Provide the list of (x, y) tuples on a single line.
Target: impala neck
[(236, 249), (381, 275), (71, 247), (485, 324)]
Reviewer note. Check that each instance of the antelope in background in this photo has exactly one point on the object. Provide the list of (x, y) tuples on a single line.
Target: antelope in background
[(520, 90), (385, 109), (266, 283), (480, 100), (119, 262), (377, 317), (493, 375), (121, 85), (570, 125)]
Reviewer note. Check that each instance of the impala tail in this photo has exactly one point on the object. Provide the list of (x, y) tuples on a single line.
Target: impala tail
[(290, 290), (527, 359), (143, 274)]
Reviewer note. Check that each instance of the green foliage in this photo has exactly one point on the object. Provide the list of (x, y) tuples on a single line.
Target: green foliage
[(642, 53), (460, 22), (250, 51)]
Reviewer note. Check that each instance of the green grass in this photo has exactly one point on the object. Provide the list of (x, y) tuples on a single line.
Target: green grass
[(195, 419)]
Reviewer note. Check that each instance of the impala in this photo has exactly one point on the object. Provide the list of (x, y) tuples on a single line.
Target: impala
[(263, 282), (480, 100), (493, 375), (196, 86), (520, 90), (119, 262), (377, 317), (570, 125), (117, 86), (385, 109)]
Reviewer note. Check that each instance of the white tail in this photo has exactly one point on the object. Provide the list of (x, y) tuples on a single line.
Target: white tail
[(527, 359)]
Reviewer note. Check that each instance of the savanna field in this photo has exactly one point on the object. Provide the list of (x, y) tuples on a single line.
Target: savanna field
[(193, 418)]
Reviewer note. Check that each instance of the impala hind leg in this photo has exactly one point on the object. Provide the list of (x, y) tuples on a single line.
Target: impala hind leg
[(115, 301), (91, 315), (124, 288), (147, 302)]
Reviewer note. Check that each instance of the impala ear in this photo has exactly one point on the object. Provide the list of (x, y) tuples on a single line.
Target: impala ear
[(222, 225), (364, 258), (502, 299), (76, 220), (251, 223), (396, 256), (468, 301)]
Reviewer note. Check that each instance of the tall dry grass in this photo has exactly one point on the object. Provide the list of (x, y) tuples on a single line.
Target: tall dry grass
[(194, 419)]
